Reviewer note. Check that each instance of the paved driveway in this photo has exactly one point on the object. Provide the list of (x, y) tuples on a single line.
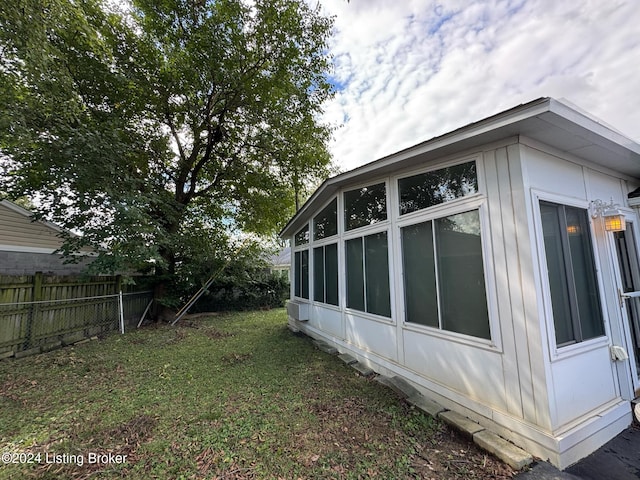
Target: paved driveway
[(619, 459)]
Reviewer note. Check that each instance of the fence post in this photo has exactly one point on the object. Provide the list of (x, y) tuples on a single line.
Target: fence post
[(36, 296), (120, 300), (121, 313)]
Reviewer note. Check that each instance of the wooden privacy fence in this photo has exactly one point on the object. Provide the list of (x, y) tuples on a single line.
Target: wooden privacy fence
[(43, 312)]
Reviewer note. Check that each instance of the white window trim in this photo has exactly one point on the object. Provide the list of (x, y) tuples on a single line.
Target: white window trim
[(465, 204), (559, 353), (475, 157), (332, 240), (342, 227), (476, 201), (298, 248), (303, 245), (361, 233), (312, 221), (446, 209), (370, 316)]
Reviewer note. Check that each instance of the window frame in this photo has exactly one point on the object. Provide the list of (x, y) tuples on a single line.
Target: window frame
[(312, 230), (434, 168), (462, 205), (445, 318), (298, 278), (342, 206), (559, 352), (295, 274), (312, 292), (306, 243), (360, 234)]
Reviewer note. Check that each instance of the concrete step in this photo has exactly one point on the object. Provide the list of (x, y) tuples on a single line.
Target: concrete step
[(362, 369), (506, 451), (348, 359), (325, 347), (399, 385)]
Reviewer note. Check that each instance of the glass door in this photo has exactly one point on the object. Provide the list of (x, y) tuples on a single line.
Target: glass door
[(630, 280)]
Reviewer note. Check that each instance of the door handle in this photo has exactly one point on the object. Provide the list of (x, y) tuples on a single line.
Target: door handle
[(618, 353), (626, 295)]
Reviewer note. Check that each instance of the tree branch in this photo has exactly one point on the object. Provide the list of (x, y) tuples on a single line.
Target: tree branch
[(175, 135)]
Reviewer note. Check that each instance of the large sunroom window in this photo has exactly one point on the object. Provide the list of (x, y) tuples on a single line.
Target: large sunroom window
[(367, 261), (301, 264), (325, 224), (301, 274), (443, 269), (325, 274), (365, 206), (438, 186), (302, 236), (575, 299)]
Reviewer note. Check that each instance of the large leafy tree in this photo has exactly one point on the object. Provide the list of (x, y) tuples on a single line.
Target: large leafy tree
[(153, 125)]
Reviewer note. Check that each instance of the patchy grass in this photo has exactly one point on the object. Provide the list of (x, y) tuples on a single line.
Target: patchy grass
[(229, 396)]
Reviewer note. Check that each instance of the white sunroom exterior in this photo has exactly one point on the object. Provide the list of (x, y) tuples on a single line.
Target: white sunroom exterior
[(476, 266)]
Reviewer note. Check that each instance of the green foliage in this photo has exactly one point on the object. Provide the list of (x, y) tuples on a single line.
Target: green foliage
[(241, 277), (245, 290), (154, 126)]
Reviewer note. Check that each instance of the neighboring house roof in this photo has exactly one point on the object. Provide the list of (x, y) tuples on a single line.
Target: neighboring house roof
[(281, 259), (545, 120), (20, 233)]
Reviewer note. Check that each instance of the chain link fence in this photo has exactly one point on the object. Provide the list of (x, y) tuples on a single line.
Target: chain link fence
[(43, 325)]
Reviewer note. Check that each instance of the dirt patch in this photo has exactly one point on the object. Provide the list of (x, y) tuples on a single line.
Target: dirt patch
[(454, 456), (178, 335), (194, 320), (351, 429), (235, 358), (127, 437), (216, 335), (211, 464), (115, 445)]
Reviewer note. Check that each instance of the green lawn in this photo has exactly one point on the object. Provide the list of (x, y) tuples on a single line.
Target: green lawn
[(229, 396)]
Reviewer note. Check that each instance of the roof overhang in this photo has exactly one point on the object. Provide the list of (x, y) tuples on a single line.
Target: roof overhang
[(546, 120)]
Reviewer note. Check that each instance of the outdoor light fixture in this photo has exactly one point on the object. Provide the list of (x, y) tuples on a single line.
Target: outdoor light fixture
[(614, 221), (613, 218)]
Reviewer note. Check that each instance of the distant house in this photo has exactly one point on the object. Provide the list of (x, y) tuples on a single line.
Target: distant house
[(281, 263), (495, 268), (28, 246)]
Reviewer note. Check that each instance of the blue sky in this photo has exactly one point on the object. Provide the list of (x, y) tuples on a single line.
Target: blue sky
[(409, 70)]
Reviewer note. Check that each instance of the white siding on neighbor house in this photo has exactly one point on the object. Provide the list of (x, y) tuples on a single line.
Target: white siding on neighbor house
[(27, 247), (17, 230)]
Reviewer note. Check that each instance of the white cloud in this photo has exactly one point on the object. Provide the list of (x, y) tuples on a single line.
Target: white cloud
[(413, 69)]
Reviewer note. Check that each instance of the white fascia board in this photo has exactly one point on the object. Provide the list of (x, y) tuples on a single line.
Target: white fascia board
[(603, 130), (596, 133)]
